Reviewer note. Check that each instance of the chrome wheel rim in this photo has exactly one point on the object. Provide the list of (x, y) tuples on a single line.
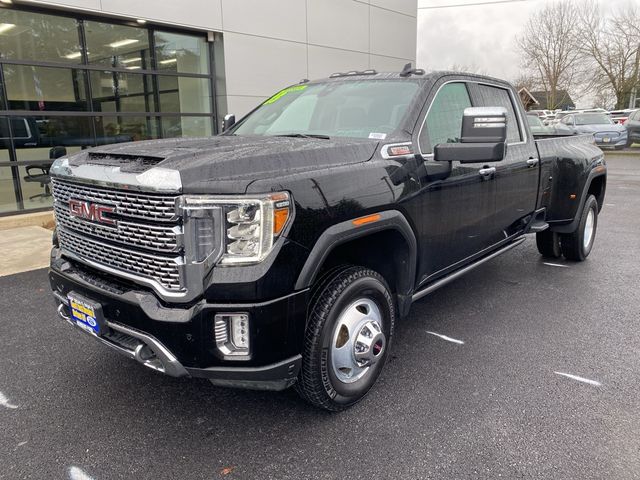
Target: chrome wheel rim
[(358, 341), (588, 229)]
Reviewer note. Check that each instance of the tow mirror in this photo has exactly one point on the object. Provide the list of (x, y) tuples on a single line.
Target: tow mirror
[(483, 138), (228, 122)]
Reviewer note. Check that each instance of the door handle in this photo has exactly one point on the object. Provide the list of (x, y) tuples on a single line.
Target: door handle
[(532, 162), (485, 172)]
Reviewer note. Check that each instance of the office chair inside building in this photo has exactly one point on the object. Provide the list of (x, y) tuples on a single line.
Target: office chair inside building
[(39, 173)]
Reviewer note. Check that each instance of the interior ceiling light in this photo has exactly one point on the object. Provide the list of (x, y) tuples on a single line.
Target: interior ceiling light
[(73, 55), (141, 21), (122, 43), (5, 27), (169, 60), (131, 60), (8, 2), (135, 67)]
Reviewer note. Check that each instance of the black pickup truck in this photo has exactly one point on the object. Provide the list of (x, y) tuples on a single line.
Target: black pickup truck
[(283, 251)]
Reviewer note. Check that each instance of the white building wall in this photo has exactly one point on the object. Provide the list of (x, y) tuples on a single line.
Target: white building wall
[(269, 44)]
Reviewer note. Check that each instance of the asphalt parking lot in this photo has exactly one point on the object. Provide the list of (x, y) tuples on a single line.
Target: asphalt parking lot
[(497, 405)]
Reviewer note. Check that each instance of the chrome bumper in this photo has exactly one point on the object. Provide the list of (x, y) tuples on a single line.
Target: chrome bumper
[(134, 344)]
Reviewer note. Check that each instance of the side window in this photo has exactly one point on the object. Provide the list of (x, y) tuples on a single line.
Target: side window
[(443, 123), (499, 97)]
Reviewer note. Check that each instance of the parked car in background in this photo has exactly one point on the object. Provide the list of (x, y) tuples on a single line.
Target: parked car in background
[(600, 125), (559, 116), (633, 128), (545, 116), (620, 117), (538, 127)]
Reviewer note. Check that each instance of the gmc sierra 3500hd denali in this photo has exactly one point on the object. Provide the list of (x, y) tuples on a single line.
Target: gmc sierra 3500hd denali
[(282, 251)]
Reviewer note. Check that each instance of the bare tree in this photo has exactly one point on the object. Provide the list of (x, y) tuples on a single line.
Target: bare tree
[(526, 80), (612, 46), (548, 49)]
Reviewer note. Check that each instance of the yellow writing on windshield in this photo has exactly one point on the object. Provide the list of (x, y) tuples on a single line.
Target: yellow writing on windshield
[(282, 93)]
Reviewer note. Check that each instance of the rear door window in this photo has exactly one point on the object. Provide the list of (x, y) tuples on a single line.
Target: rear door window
[(490, 96)]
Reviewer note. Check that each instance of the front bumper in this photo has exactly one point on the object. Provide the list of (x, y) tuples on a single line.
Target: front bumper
[(178, 340)]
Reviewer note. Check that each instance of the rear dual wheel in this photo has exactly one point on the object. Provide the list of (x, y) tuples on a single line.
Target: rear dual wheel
[(576, 245), (347, 338)]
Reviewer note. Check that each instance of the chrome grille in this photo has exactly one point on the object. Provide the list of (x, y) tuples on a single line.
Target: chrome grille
[(130, 204), (145, 243), (159, 238), (164, 270)]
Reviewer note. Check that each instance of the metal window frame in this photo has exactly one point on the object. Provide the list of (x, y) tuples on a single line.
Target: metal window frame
[(84, 65), (524, 138)]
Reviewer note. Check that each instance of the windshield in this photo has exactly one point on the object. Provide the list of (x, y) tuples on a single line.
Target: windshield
[(534, 121), (363, 109), (593, 119)]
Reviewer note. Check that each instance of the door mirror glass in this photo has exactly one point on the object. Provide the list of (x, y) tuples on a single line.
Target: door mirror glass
[(484, 125), (228, 122), (483, 138)]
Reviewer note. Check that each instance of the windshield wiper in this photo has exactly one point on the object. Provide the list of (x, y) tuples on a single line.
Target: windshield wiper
[(304, 135)]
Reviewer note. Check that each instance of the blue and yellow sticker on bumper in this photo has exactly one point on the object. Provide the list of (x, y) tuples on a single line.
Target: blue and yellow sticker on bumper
[(84, 314)]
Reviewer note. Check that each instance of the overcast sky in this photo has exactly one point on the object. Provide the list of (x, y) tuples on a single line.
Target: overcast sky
[(481, 37)]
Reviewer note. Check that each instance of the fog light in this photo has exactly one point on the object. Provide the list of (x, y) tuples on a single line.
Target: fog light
[(232, 334)]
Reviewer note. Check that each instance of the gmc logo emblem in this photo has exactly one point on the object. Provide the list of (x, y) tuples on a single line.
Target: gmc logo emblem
[(91, 211)]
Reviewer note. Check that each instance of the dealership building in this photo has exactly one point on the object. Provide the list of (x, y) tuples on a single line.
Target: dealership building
[(80, 73)]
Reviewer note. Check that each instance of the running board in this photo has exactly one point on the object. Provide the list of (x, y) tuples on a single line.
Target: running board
[(458, 273)]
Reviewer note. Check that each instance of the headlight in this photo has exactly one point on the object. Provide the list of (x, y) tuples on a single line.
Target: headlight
[(250, 225)]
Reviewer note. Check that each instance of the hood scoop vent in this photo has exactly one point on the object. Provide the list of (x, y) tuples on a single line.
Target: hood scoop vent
[(126, 162)]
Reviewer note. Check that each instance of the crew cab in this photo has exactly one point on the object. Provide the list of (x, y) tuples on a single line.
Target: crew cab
[(284, 251)]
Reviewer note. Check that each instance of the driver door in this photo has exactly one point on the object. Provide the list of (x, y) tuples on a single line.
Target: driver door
[(454, 215)]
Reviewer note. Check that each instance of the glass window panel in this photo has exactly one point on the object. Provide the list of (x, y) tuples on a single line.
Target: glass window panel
[(499, 97), (443, 123), (35, 36), (35, 184), (181, 53), (121, 92), (50, 132), (186, 127), (117, 45), (118, 129), (7, 191), (184, 94), (43, 88)]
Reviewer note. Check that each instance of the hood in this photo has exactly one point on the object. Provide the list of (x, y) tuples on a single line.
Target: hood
[(605, 127), (228, 164)]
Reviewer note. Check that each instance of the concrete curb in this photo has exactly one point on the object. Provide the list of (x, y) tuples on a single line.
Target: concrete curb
[(38, 219), (628, 153)]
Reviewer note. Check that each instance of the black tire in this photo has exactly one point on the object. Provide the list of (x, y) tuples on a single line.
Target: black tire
[(573, 244), (548, 244), (317, 382)]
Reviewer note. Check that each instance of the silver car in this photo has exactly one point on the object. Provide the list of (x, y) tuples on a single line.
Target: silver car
[(605, 132)]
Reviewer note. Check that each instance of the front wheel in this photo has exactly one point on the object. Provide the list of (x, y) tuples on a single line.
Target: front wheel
[(347, 338), (577, 245)]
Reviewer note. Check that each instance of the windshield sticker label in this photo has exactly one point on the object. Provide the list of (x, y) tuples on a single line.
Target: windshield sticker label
[(378, 136), (282, 93)]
